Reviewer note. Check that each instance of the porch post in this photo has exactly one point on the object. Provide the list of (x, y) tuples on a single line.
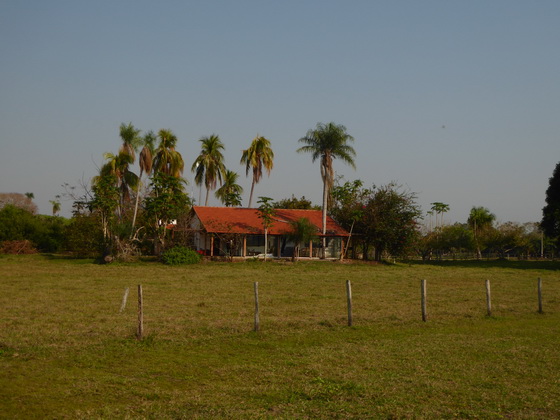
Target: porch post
[(278, 246), (244, 246), (212, 245), (310, 248)]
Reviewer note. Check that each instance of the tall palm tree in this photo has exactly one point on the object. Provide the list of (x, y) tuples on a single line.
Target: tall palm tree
[(259, 154), (209, 165), (326, 143), (479, 220), (145, 160), (165, 158), (131, 140), (230, 191)]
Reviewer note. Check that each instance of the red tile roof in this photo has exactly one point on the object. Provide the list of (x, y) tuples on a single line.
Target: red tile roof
[(246, 221)]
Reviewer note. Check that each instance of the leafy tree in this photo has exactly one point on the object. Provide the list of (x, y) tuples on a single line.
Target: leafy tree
[(452, 239), (167, 202), (303, 231), (209, 165), (165, 158), (105, 201), (257, 156), (348, 203), (266, 214), (550, 223), (83, 236), (46, 233), (480, 221), (390, 218), (296, 203), (326, 143), (230, 191)]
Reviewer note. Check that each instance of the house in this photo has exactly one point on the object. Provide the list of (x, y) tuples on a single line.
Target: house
[(239, 232)]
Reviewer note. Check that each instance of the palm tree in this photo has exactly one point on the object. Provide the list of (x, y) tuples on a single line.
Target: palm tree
[(55, 205), (145, 160), (328, 142), (119, 166), (259, 154), (131, 139), (209, 165), (165, 158), (230, 191), (479, 220)]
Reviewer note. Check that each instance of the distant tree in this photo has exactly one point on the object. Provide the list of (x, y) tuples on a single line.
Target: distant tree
[(55, 205), (18, 200), (296, 203), (439, 208), (257, 156), (230, 191), (30, 195), (303, 232), (550, 223), (480, 221), (266, 214), (326, 143), (209, 165)]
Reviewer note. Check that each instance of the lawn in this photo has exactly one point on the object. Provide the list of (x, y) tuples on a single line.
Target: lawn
[(66, 350)]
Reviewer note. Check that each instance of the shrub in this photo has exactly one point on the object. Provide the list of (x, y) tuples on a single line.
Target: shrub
[(17, 247), (180, 255)]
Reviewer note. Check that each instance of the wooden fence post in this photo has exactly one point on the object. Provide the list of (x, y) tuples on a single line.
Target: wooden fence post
[(539, 290), (140, 331), (124, 299), (257, 317), (349, 301), (423, 293), (488, 299)]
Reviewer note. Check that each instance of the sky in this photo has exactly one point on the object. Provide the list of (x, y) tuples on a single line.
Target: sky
[(456, 101)]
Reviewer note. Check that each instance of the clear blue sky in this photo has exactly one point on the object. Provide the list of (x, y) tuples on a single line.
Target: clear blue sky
[(459, 101)]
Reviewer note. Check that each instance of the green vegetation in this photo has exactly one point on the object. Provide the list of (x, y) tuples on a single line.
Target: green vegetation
[(180, 255), (67, 352)]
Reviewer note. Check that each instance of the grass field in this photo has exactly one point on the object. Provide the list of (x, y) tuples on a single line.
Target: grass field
[(67, 352)]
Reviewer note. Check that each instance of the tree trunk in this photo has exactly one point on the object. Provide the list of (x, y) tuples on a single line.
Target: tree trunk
[(251, 195), (324, 230)]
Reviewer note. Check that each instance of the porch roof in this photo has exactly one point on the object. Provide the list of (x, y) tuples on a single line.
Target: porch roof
[(246, 221)]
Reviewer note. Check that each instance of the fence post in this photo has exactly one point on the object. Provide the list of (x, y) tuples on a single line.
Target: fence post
[(539, 289), (124, 299), (423, 293), (349, 301), (140, 331), (257, 318), (488, 299)]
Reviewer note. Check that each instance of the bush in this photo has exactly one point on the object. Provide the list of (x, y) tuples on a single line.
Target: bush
[(17, 247), (180, 255)]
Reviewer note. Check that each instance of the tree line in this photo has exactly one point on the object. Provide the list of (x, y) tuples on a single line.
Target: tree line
[(124, 213)]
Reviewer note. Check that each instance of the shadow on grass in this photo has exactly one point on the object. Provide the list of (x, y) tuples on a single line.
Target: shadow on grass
[(96, 260), (517, 264)]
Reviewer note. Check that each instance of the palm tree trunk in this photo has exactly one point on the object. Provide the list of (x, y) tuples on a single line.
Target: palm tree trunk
[(324, 230), (136, 205), (207, 194), (251, 195)]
